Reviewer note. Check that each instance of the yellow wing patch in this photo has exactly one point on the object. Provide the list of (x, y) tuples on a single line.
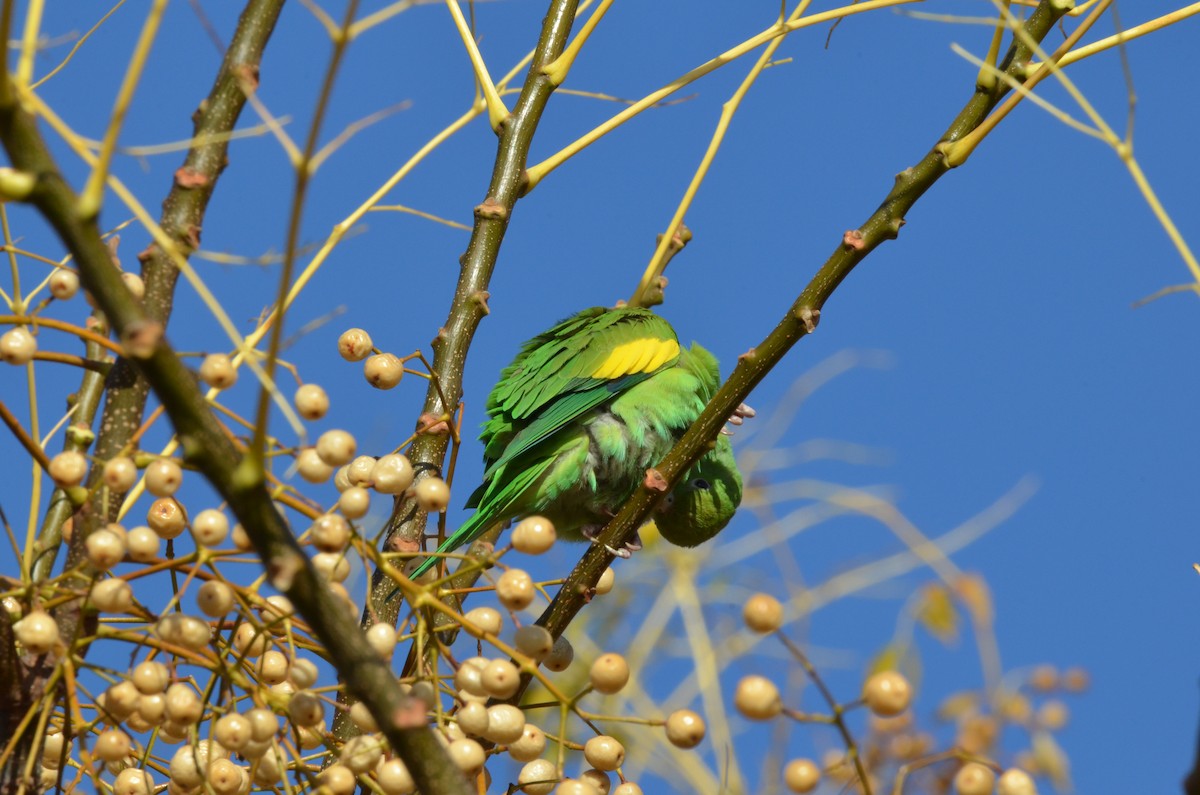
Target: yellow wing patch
[(639, 356)]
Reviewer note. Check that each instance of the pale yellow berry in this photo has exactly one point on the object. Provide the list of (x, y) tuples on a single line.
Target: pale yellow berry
[(469, 676), (135, 284), (598, 780), (467, 755), (333, 566), (112, 745), (64, 284), (275, 611), (187, 631), (167, 518), (506, 724), (214, 598), (561, 655), (263, 724), (249, 641), (17, 346), (272, 668), (304, 672), (310, 466), (887, 693), (120, 473), (1015, 781), (163, 477), (515, 589), (133, 781), (225, 777), (142, 544), (150, 677), (330, 533), (118, 702), (485, 620), (362, 717), (152, 708), (217, 371), (604, 752), (52, 749), (306, 709), (974, 779), (241, 539), (354, 345), (685, 729), (382, 638), (501, 679), (106, 547), (338, 780), (574, 786), (533, 535), (534, 642), (67, 468), (183, 705), (609, 673), (336, 447), (392, 474), (758, 698), (763, 613), (359, 470), (112, 596), (383, 370), (538, 777), (627, 788), (433, 495), (185, 769), (529, 745), (1053, 715), (232, 731), (1043, 679), (605, 583), (311, 402), (341, 478), (270, 765), (472, 718), (394, 779), (37, 632), (362, 753), (1076, 680), (354, 502), (801, 775), (210, 527)]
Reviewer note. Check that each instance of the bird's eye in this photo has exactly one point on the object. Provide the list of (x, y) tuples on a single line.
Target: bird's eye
[(702, 484)]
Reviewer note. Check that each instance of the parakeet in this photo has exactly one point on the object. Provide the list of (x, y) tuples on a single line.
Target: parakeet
[(580, 415), (704, 501)]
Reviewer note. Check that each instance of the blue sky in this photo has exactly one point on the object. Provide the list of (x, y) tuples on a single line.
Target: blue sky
[(1004, 308)]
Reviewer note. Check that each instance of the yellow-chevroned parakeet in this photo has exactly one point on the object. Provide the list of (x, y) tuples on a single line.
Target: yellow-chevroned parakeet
[(704, 501), (580, 415)]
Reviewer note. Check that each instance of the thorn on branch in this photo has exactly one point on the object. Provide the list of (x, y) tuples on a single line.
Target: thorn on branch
[(146, 254), (853, 240), (748, 355), (809, 317), (141, 337), (655, 481), (893, 228), (188, 178), (481, 297), (247, 76), (491, 210), (432, 424)]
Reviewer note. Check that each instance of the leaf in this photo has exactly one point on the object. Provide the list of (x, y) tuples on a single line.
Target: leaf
[(935, 612)]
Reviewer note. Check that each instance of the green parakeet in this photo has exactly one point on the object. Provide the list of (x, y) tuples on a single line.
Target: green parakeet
[(580, 415), (704, 501)]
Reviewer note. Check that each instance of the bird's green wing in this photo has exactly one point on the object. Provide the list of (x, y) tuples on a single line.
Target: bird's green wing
[(561, 375)]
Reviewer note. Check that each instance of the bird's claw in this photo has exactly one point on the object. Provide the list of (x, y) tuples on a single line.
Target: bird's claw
[(625, 552)]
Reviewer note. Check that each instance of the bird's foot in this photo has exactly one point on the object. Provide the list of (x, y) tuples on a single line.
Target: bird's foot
[(739, 415), (590, 532)]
